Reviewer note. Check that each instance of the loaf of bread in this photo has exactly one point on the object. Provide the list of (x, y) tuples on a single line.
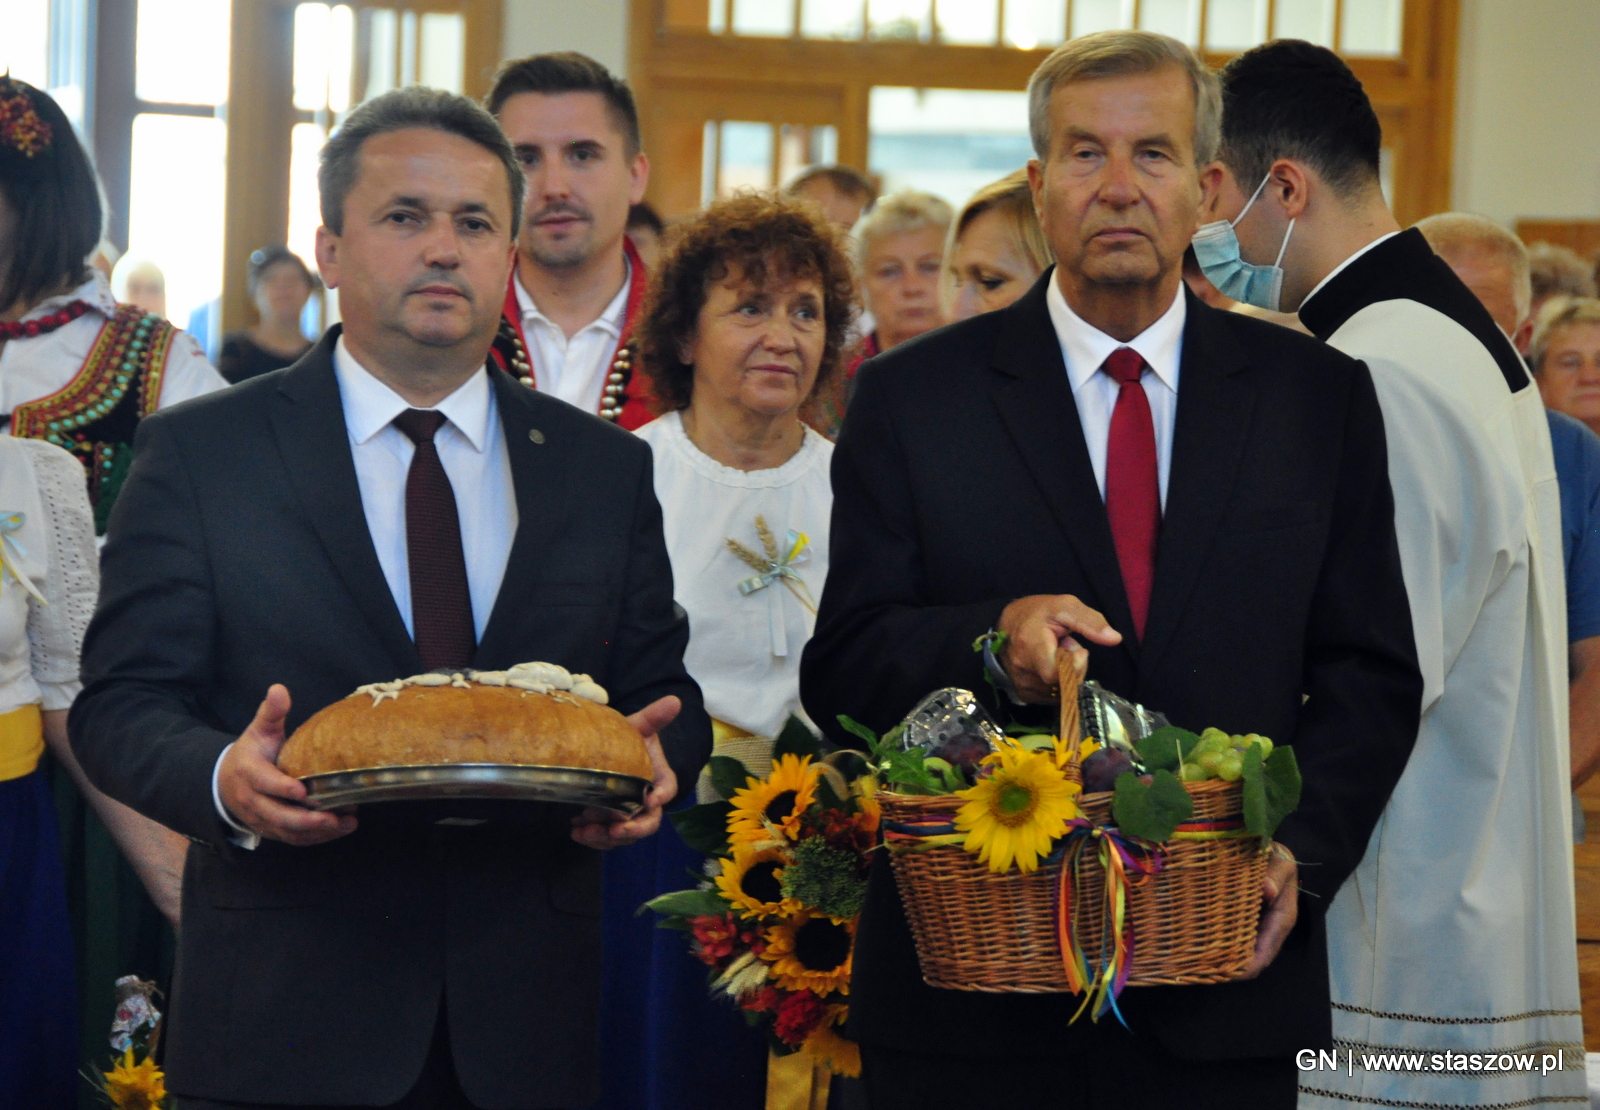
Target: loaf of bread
[(534, 715)]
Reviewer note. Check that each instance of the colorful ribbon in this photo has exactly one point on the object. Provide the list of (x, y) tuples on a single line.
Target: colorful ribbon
[(1119, 855), (782, 570), (11, 550)]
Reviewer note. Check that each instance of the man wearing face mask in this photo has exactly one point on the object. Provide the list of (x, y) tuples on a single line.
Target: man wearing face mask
[(1456, 931)]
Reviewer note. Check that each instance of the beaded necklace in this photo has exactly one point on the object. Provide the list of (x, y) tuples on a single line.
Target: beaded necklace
[(44, 325)]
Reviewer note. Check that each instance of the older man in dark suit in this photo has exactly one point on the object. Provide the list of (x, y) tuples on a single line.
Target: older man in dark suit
[(1198, 496), (387, 505)]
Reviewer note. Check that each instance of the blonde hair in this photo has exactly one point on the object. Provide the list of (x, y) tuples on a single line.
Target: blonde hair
[(898, 213), (1559, 312), (1119, 54), (1012, 198), (1454, 233)]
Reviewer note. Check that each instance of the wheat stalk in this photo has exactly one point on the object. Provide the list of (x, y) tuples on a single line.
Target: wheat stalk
[(767, 541), (750, 557)]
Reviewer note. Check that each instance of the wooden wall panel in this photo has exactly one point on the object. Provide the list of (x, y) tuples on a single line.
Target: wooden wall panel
[(1582, 236)]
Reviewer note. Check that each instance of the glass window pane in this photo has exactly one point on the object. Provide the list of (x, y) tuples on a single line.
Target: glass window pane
[(25, 46), (719, 16), (800, 147), (746, 157), (763, 17), (383, 46), (311, 57), (341, 56), (1371, 27), (195, 31), (305, 143), (831, 19), (1311, 20), (1235, 24), (1089, 16), (175, 218), (969, 22), (408, 48), (898, 19), (1035, 23), (1178, 18), (444, 42), (946, 141)]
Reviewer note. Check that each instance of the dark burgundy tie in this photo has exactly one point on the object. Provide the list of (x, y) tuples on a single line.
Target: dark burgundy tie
[(1133, 483), (441, 603)]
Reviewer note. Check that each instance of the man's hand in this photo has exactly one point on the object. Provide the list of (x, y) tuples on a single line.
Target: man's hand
[(1035, 628), (602, 829), (1280, 890), (263, 798)]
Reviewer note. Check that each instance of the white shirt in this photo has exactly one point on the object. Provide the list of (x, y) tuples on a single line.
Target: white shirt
[(574, 369), (472, 450), (744, 649), (46, 364), (1085, 349)]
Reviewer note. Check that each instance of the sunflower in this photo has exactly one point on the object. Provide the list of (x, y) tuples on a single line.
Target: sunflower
[(827, 1044), (771, 808), (1018, 810), (131, 1086), (753, 882), (811, 953)]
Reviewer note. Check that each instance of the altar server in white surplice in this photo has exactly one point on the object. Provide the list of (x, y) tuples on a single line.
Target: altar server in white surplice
[(1456, 935)]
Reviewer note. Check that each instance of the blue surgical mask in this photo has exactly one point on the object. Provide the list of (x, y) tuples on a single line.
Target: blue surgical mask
[(1216, 248)]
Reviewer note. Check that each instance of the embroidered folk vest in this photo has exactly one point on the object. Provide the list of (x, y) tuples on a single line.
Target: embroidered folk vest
[(97, 412)]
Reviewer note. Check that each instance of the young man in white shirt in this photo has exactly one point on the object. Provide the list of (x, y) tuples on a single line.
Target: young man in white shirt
[(578, 283)]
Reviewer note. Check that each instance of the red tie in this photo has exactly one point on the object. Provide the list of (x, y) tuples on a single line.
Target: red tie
[(441, 604), (1133, 483)]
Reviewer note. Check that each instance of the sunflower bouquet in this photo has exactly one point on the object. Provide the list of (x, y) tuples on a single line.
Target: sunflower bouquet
[(774, 918), (134, 1082)]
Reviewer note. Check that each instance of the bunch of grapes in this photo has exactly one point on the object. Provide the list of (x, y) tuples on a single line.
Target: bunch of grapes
[(1220, 756)]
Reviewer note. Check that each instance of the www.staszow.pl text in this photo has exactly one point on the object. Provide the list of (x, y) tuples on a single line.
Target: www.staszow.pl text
[(1465, 1062)]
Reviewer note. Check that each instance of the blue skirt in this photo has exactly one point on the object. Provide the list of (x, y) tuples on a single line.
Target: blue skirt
[(38, 991), (665, 1043)]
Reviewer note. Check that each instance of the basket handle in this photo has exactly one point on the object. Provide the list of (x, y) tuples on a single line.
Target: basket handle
[(1071, 665)]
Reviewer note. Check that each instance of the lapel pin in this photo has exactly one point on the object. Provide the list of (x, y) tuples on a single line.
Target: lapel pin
[(536, 435)]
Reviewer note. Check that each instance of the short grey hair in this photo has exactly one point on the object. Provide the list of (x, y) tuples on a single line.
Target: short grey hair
[(1118, 54), (907, 210), (1560, 311), (1452, 234), (402, 110), (1558, 271)]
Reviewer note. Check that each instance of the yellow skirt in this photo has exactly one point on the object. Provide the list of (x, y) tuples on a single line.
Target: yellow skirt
[(21, 742)]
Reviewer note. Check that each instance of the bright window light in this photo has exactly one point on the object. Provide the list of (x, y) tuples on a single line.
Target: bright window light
[(195, 31), (305, 143), (444, 43), (341, 56), (311, 57), (175, 218), (25, 46)]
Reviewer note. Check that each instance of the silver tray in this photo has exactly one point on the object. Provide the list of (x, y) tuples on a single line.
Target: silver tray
[(623, 794)]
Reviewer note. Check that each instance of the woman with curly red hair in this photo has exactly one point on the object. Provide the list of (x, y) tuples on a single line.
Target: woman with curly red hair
[(746, 317)]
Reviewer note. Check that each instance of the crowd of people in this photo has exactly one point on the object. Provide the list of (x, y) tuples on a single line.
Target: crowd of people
[(1180, 390)]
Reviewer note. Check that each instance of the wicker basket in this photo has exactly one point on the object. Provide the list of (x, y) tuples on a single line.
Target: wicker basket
[(1193, 922)]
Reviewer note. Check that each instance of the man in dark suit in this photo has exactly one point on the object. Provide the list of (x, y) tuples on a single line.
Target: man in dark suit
[(385, 506), (1198, 496)]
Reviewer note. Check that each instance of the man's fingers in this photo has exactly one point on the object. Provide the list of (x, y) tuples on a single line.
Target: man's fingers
[(1074, 616), (267, 727), (656, 716), (1280, 889), (295, 824)]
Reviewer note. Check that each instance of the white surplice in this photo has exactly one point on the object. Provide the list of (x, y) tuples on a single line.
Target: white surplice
[(1455, 935)]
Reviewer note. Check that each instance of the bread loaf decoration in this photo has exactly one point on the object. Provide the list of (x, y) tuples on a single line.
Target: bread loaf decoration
[(533, 715)]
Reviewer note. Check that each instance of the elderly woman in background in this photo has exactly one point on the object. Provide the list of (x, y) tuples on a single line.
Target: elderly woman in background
[(280, 285), (997, 250), (1565, 354), (899, 252), (747, 316)]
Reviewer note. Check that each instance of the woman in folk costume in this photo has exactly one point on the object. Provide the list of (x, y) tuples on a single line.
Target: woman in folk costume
[(747, 317), (79, 371), (1453, 940)]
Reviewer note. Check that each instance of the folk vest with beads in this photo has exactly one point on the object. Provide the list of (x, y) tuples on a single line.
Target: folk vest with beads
[(97, 412), (626, 398)]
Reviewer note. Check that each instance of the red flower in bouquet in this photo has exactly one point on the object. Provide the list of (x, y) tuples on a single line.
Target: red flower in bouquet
[(761, 1001), (714, 937), (798, 1015)]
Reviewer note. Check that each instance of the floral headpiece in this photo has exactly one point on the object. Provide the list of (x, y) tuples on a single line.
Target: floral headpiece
[(21, 129)]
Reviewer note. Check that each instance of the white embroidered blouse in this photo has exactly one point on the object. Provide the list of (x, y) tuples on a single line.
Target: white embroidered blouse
[(744, 647)]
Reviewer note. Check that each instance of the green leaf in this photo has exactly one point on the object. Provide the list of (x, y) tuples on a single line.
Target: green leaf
[(1277, 790), (728, 776), (1166, 748), (856, 728), (1151, 811), (906, 771), (794, 738), (688, 903), (1030, 730), (704, 828)]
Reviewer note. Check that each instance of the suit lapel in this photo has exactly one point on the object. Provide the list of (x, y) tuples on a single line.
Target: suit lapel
[(1215, 405), (1037, 408), (541, 495), (308, 420)]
